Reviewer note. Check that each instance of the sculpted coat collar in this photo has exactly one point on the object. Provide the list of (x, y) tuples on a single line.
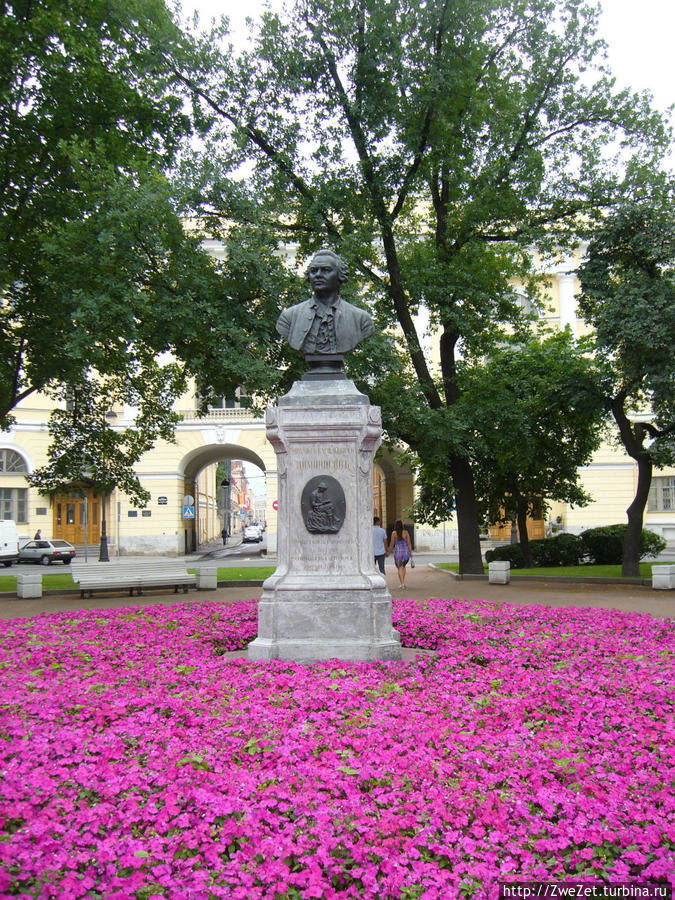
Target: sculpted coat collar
[(352, 324), (321, 309)]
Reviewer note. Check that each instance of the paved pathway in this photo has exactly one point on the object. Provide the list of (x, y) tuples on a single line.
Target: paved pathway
[(423, 581)]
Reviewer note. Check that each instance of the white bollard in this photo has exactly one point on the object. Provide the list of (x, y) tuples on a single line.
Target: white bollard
[(663, 578), (499, 572), (28, 585), (207, 578)]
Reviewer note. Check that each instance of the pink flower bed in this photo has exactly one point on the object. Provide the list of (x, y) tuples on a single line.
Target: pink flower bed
[(137, 760)]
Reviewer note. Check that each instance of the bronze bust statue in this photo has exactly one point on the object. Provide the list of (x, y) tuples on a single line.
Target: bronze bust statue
[(325, 326)]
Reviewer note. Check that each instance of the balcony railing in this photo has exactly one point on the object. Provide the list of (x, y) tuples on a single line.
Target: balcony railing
[(218, 415)]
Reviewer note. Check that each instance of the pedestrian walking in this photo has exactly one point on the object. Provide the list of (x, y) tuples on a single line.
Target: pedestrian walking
[(379, 543), (224, 536), (401, 547)]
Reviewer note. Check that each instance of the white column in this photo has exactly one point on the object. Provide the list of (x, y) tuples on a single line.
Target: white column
[(567, 301)]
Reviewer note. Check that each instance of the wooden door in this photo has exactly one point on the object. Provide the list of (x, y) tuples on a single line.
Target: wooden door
[(71, 512), (536, 528)]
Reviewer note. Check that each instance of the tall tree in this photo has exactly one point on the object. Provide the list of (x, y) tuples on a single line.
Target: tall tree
[(85, 110), (434, 145), (97, 272), (628, 296), (537, 408)]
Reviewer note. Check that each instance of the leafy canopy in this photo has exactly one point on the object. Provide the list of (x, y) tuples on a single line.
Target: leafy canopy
[(532, 413), (86, 115), (628, 296), (434, 145), (98, 277)]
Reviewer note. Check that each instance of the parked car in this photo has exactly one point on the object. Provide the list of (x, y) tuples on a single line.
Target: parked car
[(46, 552), (252, 533), (9, 542)]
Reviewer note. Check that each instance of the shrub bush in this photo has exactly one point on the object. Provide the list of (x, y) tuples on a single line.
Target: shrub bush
[(512, 553), (604, 546), (561, 550)]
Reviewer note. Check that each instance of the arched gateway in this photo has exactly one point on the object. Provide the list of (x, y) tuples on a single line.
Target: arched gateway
[(189, 468), (200, 480)]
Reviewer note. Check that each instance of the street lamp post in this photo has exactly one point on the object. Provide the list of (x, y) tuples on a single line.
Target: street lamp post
[(227, 527), (91, 475), (103, 555), (103, 548)]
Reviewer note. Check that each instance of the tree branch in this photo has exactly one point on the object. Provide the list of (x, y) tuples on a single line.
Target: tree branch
[(396, 289), (531, 119), (360, 54), (426, 125), (629, 439), (355, 129), (263, 144), (563, 129), (16, 399)]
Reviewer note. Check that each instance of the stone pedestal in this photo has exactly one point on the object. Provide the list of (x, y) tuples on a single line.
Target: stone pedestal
[(663, 578), (499, 572), (207, 578), (28, 585), (326, 598)]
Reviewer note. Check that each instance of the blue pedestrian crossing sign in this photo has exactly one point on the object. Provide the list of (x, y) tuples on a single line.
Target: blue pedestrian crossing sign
[(188, 512)]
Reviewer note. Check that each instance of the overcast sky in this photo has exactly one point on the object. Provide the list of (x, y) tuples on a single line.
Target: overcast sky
[(640, 35)]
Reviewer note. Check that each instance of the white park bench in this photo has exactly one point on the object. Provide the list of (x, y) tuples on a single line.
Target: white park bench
[(133, 574)]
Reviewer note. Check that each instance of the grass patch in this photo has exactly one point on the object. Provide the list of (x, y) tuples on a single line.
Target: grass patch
[(572, 571), (50, 581), (248, 573), (244, 573)]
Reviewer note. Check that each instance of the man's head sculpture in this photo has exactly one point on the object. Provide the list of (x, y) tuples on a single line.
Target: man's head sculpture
[(338, 264), (325, 327)]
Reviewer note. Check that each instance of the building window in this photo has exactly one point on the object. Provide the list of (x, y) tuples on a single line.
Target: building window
[(13, 504), (11, 461), (662, 494), (237, 400), (524, 302)]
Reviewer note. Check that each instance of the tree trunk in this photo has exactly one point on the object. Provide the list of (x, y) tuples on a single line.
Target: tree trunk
[(630, 566), (633, 437), (522, 529), (468, 526)]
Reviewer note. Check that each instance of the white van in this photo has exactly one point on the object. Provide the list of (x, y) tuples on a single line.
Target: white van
[(9, 542)]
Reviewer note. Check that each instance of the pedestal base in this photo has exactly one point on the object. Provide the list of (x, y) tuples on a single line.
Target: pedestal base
[(324, 622), (326, 599), (307, 651)]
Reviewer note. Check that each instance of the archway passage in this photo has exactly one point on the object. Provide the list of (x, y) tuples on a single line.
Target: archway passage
[(215, 476), (201, 457), (393, 489)]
